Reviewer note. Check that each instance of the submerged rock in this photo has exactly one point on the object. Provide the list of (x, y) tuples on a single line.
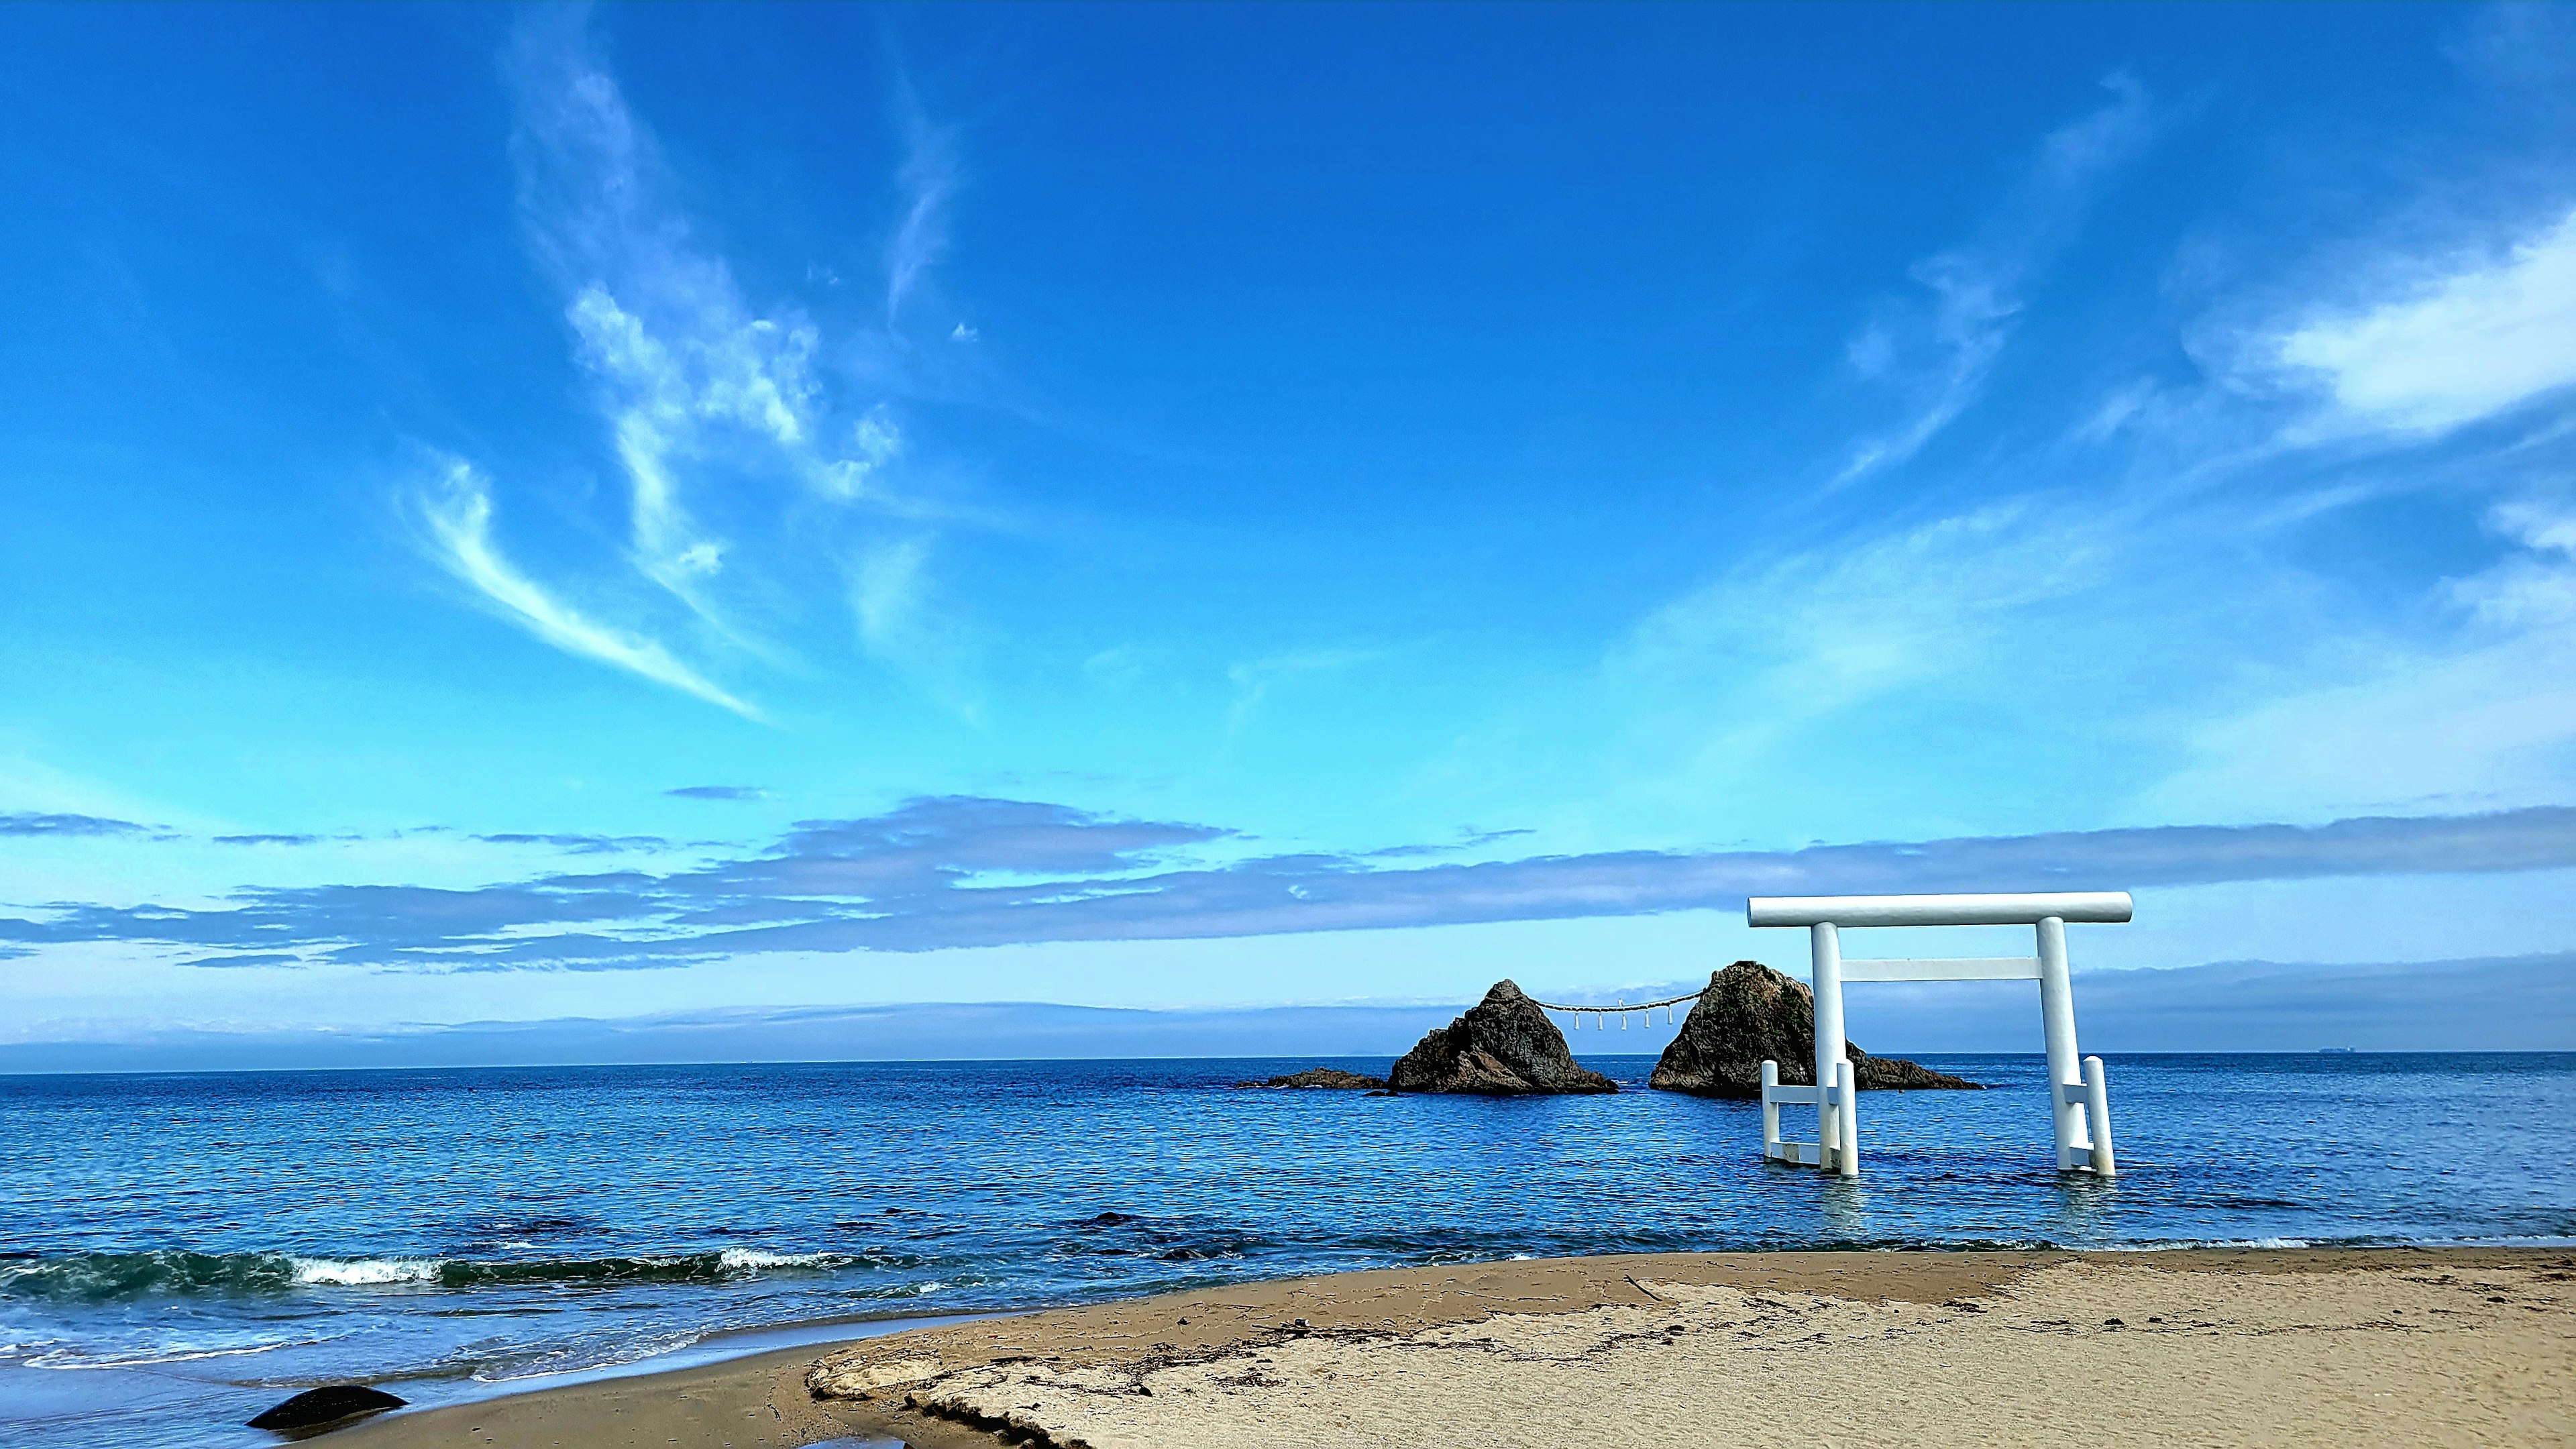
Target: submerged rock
[(1503, 1047), (1896, 1074), (1751, 1014), (329, 1404), (1329, 1079)]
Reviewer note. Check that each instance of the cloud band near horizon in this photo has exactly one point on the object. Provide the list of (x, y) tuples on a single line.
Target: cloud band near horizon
[(947, 872)]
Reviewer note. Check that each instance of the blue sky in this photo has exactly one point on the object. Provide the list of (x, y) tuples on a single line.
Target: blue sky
[(508, 515)]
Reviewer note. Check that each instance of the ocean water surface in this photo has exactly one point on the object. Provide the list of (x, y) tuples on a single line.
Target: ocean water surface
[(179, 1252)]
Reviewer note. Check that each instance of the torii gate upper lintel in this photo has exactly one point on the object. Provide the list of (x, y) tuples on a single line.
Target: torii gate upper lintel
[(2079, 1099)]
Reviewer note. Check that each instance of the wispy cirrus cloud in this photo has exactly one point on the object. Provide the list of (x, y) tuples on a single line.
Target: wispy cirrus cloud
[(718, 792), (689, 372), (893, 600), (1803, 635), (902, 622), (929, 180), (1934, 352), (963, 871), (2455, 340), (459, 519), (2481, 714), (744, 471), (2331, 389), (2460, 699)]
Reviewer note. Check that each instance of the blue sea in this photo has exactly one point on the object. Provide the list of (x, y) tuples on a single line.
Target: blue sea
[(178, 1252)]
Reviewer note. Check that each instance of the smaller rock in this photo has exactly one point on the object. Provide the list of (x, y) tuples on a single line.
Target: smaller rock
[(1330, 1079), (1503, 1047), (328, 1404)]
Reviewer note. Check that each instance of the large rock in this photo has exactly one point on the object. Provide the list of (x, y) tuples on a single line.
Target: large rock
[(1503, 1047), (1751, 1014)]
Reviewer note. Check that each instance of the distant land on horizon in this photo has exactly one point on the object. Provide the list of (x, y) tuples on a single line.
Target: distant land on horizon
[(2517, 1003)]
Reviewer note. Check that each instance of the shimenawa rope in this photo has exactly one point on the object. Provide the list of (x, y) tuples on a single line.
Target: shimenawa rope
[(1622, 1011)]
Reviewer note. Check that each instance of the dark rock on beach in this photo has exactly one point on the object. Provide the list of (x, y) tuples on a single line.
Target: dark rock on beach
[(1503, 1047), (330, 1404), (1326, 1079), (1751, 1014)]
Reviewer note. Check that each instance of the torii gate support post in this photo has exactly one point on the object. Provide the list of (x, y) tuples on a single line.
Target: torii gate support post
[(1770, 1111), (1846, 1097), (2057, 1024), (1826, 955), (2097, 1118)]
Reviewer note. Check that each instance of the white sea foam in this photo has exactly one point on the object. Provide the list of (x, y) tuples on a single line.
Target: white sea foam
[(755, 1258), (571, 1359), (2168, 1244), (75, 1358), (358, 1272)]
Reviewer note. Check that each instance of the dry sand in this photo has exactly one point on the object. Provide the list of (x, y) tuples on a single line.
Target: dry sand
[(2355, 1348)]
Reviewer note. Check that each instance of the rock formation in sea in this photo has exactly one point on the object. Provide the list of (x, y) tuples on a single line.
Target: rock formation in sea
[(1751, 1014), (1503, 1047), (1326, 1079)]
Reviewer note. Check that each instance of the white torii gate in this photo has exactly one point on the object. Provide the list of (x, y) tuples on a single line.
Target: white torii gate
[(2079, 1102)]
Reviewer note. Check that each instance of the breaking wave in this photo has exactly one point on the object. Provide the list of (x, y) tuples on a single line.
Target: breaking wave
[(115, 1277), (354, 1272)]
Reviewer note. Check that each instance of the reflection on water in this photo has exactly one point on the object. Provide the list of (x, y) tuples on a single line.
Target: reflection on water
[(182, 1251)]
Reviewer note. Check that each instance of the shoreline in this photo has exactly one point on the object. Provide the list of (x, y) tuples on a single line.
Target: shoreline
[(2370, 1344), (716, 1348)]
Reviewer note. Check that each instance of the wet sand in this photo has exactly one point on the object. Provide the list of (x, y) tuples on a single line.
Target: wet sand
[(2357, 1347)]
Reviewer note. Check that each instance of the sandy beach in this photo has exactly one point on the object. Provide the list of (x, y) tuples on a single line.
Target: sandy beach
[(2209, 1347)]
